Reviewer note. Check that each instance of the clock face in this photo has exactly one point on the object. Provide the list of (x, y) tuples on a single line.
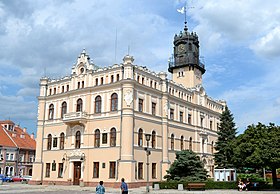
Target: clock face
[(181, 48)]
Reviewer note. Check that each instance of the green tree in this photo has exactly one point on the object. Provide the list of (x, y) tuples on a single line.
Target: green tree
[(258, 147), (226, 134), (187, 166)]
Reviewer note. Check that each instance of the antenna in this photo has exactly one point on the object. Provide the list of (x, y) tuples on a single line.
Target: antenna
[(128, 49), (116, 42)]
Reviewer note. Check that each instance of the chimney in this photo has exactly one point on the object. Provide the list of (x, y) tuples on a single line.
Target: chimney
[(24, 129), (32, 135)]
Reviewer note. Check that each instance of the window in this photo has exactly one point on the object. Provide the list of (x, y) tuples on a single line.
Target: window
[(114, 102), (49, 147), (181, 116), (55, 142), (54, 91), (140, 137), (154, 170), (155, 85), (151, 83), (153, 139), (112, 78), (78, 139), (63, 109), (97, 138), (104, 138), (212, 147), (154, 108), (67, 87), (143, 80), (62, 139), (79, 105), (51, 111), (112, 173), (101, 81), (11, 156), (140, 105), (98, 104), (189, 118), (62, 89), (54, 166), (201, 121), (48, 169), (83, 84), (96, 81), (172, 141), (171, 113), (118, 77), (140, 170), (95, 169), (190, 144), (202, 147), (211, 125), (182, 142), (50, 92), (60, 170), (113, 137), (78, 85), (138, 78)]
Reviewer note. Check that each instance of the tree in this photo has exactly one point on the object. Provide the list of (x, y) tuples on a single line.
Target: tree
[(187, 166), (226, 134), (258, 147)]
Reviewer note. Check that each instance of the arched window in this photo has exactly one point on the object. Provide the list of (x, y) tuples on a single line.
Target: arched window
[(78, 139), (190, 144), (153, 139), (182, 142), (113, 136), (97, 138), (140, 137), (172, 141), (79, 105), (49, 146), (62, 139), (212, 147), (63, 109), (98, 104), (51, 111), (114, 102)]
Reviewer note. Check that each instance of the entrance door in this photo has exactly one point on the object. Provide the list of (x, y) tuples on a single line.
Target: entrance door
[(77, 173)]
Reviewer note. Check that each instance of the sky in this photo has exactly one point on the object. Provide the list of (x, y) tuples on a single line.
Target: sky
[(239, 43)]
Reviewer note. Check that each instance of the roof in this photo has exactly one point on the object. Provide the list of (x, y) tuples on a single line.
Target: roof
[(17, 138)]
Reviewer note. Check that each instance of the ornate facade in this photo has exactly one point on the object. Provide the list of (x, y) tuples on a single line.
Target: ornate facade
[(92, 124)]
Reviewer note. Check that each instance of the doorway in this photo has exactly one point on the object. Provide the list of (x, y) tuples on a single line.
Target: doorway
[(77, 173)]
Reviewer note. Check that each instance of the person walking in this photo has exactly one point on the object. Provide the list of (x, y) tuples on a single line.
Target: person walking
[(100, 189), (124, 187)]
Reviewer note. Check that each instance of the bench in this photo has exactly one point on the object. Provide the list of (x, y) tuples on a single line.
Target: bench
[(196, 186)]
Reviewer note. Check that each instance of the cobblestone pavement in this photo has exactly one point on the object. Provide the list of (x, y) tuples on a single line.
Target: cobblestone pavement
[(14, 188)]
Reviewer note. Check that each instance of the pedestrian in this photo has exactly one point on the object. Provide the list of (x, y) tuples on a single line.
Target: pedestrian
[(124, 187), (100, 189)]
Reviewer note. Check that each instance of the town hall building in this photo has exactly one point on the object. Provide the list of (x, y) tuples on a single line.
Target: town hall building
[(93, 124)]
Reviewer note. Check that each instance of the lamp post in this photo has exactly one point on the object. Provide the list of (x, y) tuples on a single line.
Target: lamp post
[(148, 153)]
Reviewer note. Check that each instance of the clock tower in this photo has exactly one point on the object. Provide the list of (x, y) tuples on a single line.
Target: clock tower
[(186, 67)]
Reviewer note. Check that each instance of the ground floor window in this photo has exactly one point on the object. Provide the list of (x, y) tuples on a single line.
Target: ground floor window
[(48, 169), (95, 169), (140, 170), (154, 170), (60, 170), (112, 173)]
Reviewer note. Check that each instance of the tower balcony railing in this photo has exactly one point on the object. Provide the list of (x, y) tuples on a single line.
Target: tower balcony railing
[(75, 117)]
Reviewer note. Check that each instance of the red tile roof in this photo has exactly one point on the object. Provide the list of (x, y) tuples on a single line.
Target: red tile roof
[(5, 140)]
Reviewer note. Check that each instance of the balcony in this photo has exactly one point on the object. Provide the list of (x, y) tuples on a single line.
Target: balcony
[(75, 118)]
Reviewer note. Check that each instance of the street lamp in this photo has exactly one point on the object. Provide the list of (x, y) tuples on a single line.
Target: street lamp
[(148, 153)]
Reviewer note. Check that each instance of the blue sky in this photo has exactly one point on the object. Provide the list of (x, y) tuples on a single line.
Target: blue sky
[(239, 40)]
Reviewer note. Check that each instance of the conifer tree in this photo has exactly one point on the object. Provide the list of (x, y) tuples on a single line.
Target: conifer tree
[(226, 134)]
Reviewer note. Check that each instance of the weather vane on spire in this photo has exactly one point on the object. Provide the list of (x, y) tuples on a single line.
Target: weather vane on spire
[(183, 10)]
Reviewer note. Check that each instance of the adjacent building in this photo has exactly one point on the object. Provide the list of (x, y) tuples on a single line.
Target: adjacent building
[(92, 123), (17, 149)]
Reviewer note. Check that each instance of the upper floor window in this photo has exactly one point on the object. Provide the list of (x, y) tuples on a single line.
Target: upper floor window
[(63, 109), (212, 147), (101, 81), (50, 91), (182, 142), (55, 142), (190, 144), (97, 138), (171, 113), (78, 139), (140, 137), (203, 145), (189, 119), (98, 104), (83, 84), (113, 135), (78, 85), (201, 121), (118, 77), (140, 105), (143, 80), (79, 105), (62, 89), (96, 81), (154, 108), (114, 102), (112, 78), (51, 111), (67, 88), (49, 146), (153, 139), (54, 91), (181, 116), (62, 139), (172, 142), (211, 125)]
